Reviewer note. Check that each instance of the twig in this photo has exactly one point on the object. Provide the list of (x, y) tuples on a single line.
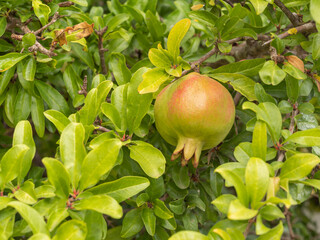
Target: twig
[(294, 113), (310, 26), (196, 64), (103, 129), (55, 17), (102, 50), (275, 57), (237, 98), (288, 218), (66, 4), (229, 2), (246, 232), (84, 87), (294, 20)]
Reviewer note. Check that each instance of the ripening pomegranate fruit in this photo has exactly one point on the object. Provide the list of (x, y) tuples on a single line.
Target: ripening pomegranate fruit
[(194, 113)]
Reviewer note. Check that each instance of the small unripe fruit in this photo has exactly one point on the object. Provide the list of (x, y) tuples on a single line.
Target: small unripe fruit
[(194, 113)]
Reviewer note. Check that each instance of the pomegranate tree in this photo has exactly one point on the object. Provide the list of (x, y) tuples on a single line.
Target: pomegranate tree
[(194, 113)]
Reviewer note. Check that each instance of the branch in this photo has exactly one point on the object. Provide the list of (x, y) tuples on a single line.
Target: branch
[(213, 51), (55, 17), (84, 87), (294, 113), (102, 50), (293, 19), (246, 232), (66, 4), (311, 26), (288, 218)]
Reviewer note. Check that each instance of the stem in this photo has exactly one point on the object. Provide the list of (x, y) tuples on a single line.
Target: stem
[(55, 17), (294, 20), (311, 26), (102, 50)]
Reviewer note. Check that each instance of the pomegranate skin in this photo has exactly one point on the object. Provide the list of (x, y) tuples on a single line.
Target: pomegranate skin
[(194, 113)]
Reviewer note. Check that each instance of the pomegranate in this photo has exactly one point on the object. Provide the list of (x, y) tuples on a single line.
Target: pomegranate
[(194, 113)]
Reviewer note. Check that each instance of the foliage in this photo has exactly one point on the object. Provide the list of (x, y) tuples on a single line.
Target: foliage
[(81, 157)]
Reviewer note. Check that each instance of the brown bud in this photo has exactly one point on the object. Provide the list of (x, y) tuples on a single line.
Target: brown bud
[(296, 62)]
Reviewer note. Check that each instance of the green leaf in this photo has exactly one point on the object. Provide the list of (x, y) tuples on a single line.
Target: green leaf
[(23, 135), (110, 111), (29, 69), (154, 26), (9, 103), (52, 97), (259, 5), (271, 212), (116, 21), (58, 177), (316, 46), (314, 10), (261, 94), (274, 234), (292, 87), (307, 138), (204, 17), (96, 225), (235, 181), (41, 10), (159, 58), (180, 176), (138, 106), (98, 162), (7, 219), (83, 3), (224, 47), (45, 191), (56, 217), (188, 235), (9, 60), (175, 37), (278, 44), (294, 72), (71, 230), (31, 216), (86, 57), (11, 162), (3, 25), (257, 180), (270, 114), (223, 234), (149, 220), (152, 80), (72, 83), (240, 83), (37, 111), (5, 46), (72, 150), (5, 79), (132, 223), (100, 203), (223, 202), (299, 166), (259, 140), (248, 68), (271, 73), (260, 227), (150, 159), (119, 68), (22, 106), (239, 212), (26, 193), (39, 236), (161, 210), (123, 188), (59, 120), (28, 40), (119, 100)]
